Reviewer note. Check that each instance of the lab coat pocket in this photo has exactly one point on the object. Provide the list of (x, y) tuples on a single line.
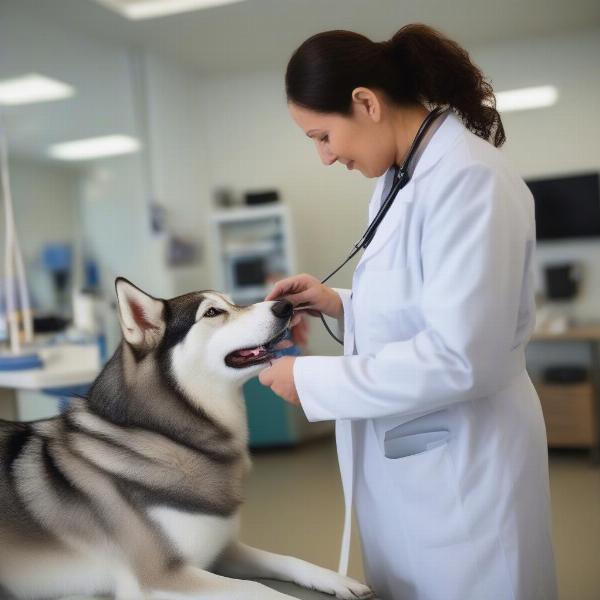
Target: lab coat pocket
[(401, 446), (423, 478)]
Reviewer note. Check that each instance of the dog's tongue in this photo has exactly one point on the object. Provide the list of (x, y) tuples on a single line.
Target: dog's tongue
[(256, 351), (252, 351)]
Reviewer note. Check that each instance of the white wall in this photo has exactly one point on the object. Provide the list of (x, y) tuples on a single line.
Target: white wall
[(252, 142), (178, 166)]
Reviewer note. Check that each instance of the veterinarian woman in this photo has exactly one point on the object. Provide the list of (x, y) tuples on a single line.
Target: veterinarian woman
[(440, 436)]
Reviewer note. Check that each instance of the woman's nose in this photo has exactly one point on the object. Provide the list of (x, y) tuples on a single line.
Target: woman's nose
[(327, 157), (282, 309)]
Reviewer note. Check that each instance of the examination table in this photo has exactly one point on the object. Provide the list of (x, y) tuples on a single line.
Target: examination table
[(285, 588)]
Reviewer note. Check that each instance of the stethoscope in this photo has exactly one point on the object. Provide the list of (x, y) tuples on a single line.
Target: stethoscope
[(402, 176)]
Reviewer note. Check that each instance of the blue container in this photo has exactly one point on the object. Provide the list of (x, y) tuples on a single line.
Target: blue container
[(271, 420)]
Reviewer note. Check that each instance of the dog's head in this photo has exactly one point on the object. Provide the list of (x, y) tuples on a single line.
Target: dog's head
[(205, 336)]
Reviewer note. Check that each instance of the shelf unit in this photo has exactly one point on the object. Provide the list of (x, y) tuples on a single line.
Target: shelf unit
[(252, 244), (570, 414), (572, 411)]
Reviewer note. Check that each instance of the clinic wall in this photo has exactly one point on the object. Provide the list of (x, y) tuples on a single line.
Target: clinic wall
[(253, 143), (562, 139), (169, 172), (177, 163)]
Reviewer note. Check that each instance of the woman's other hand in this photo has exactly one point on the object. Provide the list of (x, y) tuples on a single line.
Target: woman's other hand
[(279, 376)]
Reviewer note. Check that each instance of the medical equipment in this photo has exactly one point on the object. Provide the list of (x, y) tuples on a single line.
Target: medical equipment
[(14, 270), (402, 176)]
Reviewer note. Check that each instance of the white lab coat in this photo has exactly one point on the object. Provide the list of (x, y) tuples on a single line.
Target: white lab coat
[(435, 329)]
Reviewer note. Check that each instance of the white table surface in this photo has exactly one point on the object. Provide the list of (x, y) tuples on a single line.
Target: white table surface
[(284, 587), (64, 365)]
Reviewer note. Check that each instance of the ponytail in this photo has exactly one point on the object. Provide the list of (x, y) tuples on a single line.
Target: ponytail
[(417, 65)]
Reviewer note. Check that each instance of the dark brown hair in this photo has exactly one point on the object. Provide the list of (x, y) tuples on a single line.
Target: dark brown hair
[(417, 65)]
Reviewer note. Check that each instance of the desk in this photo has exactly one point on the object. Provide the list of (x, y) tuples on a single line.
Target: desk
[(589, 334), (64, 365)]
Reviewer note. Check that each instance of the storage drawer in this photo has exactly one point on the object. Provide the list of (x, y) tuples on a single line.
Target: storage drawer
[(570, 414)]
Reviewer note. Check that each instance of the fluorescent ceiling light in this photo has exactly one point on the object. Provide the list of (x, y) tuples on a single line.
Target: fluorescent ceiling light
[(32, 88), (150, 9), (526, 98), (100, 147)]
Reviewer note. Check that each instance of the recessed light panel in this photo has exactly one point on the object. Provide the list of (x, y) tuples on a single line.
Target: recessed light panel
[(32, 88), (91, 148), (151, 9), (526, 98)]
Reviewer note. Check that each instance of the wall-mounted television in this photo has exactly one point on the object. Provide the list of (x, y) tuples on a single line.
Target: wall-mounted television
[(567, 207)]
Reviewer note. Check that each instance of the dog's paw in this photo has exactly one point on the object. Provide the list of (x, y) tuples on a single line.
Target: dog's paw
[(340, 586)]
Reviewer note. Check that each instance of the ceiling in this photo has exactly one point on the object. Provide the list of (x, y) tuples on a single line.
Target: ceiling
[(261, 34), (245, 36)]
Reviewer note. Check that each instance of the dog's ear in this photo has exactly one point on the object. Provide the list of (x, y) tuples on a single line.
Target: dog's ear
[(141, 316)]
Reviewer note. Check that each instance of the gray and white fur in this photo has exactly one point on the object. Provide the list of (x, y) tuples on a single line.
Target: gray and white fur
[(134, 492)]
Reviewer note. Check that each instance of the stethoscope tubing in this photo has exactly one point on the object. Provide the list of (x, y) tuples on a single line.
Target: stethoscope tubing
[(401, 178)]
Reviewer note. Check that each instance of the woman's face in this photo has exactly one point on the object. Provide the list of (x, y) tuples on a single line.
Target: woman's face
[(360, 141)]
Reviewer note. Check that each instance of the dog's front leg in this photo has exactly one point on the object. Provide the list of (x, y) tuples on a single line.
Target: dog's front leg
[(244, 562)]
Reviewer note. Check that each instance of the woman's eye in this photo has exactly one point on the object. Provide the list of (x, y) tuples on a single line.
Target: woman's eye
[(325, 138), (213, 312)]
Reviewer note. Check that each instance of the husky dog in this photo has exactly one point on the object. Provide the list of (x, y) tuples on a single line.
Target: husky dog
[(135, 491)]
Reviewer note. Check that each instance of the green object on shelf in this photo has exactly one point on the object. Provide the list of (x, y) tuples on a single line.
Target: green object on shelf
[(270, 418)]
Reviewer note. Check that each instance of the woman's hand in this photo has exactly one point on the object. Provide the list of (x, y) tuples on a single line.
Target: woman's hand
[(280, 378), (306, 292)]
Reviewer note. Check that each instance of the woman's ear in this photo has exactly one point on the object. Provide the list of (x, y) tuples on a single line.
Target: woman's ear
[(367, 103)]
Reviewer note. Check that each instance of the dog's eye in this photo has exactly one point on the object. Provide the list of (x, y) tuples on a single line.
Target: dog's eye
[(213, 312)]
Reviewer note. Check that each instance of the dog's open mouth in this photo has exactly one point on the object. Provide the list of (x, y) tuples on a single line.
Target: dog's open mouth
[(247, 357)]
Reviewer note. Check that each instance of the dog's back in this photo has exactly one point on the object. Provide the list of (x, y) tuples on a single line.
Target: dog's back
[(15, 519)]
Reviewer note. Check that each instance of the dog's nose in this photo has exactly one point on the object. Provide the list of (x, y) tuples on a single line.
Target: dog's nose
[(283, 309)]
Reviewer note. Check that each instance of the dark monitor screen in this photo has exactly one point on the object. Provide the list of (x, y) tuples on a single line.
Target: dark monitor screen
[(250, 272), (567, 207)]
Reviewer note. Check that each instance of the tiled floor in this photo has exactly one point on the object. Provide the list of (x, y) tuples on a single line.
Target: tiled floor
[(575, 486), (295, 506)]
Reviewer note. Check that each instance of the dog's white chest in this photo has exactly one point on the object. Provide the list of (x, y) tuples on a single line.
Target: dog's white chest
[(199, 538)]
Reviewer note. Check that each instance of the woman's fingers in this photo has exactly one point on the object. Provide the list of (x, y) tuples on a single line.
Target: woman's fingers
[(297, 299), (291, 285), (301, 300), (281, 288)]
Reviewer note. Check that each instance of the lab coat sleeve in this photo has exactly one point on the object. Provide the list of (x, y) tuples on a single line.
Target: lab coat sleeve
[(345, 321), (473, 247)]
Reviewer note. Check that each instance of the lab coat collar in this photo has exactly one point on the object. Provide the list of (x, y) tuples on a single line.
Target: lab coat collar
[(441, 142)]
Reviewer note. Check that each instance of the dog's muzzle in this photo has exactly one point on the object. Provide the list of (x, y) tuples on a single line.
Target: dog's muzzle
[(248, 357)]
